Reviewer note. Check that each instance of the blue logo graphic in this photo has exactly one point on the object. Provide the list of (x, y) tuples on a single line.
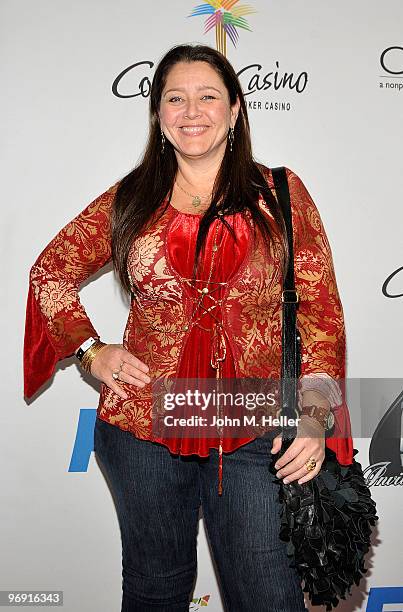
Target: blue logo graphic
[(385, 595), (84, 442)]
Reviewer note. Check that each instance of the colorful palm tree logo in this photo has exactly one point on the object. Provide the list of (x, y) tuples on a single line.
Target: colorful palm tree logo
[(226, 18), (199, 602)]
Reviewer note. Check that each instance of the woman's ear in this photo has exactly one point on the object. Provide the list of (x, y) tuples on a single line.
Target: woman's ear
[(235, 111)]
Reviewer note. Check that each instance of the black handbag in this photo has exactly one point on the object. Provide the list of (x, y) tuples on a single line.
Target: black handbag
[(327, 520)]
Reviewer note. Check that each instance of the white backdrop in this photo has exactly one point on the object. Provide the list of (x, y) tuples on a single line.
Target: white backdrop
[(67, 137)]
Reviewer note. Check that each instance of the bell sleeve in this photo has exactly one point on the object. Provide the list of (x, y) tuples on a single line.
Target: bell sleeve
[(320, 317), (56, 322)]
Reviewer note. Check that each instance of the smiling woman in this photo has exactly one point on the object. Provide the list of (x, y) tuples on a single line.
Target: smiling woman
[(197, 238), (195, 116), (196, 110)]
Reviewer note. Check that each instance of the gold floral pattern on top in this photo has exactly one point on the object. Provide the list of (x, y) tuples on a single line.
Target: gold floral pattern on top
[(74, 254), (143, 256), (320, 313), (54, 297), (252, 307)]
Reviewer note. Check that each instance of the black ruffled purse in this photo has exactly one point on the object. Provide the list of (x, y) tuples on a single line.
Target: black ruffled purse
[(327, 520)]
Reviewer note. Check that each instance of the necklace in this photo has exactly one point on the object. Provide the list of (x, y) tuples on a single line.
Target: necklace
[(196, 201)]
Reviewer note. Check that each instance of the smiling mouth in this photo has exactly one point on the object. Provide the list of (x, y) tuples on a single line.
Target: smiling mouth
[(193, 130)]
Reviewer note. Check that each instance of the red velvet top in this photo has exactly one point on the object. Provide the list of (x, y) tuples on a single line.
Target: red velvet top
[(198, 349), (57, 323)]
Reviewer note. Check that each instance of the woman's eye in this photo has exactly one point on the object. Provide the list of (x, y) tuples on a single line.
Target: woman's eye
[(175, 98)]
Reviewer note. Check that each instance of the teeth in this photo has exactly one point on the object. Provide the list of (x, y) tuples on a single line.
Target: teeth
[(193, 129)]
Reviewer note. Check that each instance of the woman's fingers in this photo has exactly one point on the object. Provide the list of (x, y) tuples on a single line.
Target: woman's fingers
[(116, 388), (276, 446), (296, 469), (292, 451), (304, 449), (132, 360), (305, 475), (133, 375), (309, 442)]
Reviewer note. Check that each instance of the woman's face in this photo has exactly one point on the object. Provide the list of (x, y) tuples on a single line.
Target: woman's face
[(195, 112)]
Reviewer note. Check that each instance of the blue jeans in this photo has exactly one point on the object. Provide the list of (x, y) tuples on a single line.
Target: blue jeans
[(157, 497)]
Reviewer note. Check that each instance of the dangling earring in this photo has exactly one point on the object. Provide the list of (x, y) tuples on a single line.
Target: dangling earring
[(163, 142), (231, 138)]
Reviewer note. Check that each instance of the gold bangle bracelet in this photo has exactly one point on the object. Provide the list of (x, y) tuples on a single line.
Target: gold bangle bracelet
[(87, 359), (89, 355)]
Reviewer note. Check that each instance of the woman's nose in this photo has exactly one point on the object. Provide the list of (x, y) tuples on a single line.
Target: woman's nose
[(192, 109)]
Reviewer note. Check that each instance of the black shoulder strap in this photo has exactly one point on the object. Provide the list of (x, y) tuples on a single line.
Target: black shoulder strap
[(291, 355)]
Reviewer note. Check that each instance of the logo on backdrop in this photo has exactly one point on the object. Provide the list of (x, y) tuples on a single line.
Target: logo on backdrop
[(382, 596), (135, 80), (391, 61), (225, 17), (198, 603), (385, 287), (385, 453)]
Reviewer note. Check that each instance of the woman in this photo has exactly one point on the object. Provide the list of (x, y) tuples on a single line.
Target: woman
[(197, 238)]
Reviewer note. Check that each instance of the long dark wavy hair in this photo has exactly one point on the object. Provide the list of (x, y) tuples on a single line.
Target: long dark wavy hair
[(238, 182)]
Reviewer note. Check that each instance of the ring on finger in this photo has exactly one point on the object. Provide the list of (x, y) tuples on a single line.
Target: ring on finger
[(310, 464), (115, 373)]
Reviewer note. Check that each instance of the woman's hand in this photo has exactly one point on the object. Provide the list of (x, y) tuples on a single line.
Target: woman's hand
[(309, 442), (113, 357)]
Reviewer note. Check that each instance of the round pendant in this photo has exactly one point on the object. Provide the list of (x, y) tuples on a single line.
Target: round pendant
[(196, 201)]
